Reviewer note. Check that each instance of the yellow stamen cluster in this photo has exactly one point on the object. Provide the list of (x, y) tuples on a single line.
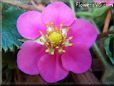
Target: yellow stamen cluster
[(56, 39)]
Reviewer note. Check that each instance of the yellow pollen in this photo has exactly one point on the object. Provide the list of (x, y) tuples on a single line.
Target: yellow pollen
[(55, 37)]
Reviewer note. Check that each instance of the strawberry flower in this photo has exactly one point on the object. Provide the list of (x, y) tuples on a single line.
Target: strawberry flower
[(58, 42), (108, 2)]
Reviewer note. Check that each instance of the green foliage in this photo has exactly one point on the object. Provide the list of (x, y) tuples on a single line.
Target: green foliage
[(66, 1), (10, 35), (95, 14), (99, 11), (107, 48), (108, 45), (108, 76)]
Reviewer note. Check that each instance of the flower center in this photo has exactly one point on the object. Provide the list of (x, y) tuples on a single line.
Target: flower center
[(55, 37)]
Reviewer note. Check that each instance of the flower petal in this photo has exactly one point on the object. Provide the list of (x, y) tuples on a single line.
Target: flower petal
[(29, 56), (50, 68), (84, 32), (58, 12), (109, 2), (29, 24), (100, 1), (77, 59)]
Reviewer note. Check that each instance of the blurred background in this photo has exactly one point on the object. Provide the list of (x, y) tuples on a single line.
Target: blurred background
[(102, 70)]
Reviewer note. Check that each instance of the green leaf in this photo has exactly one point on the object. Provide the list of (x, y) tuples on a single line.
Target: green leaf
[(66, 1), (99, 11), (108, 45), (10, 35), (99, 15), (100, 21), (107, 48), (84, 14), (96, 14)]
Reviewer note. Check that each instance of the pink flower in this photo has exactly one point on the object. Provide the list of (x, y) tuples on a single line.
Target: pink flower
[(108, 2), (58, 43)]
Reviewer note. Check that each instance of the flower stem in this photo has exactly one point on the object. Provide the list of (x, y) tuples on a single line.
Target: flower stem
[(72, 5), (100, 55), (19, 4), (107, 21), (96, 48), (105, 29)]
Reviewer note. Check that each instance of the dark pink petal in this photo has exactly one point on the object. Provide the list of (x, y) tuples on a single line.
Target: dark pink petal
[(29, 56), (58, 12), (109, 2), (29, 24), (50, 68), (100, 1), (77, 59), (83, 32)]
